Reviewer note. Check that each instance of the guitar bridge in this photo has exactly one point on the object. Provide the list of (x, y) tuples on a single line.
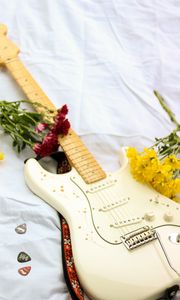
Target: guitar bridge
[(138, 237)]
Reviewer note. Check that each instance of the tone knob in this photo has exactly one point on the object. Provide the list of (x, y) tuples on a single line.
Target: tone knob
[(178, 238), (168, 216), (175, 238), (149, 216)]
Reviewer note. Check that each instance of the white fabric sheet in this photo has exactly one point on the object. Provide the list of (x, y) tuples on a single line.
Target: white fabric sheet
[(103, 59)]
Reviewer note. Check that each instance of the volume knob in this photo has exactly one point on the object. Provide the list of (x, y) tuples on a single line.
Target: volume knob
[(149, 216), (168, 216)]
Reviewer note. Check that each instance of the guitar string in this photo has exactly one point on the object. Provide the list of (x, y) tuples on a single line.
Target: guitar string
[(128, 215), (113, 213), (118, 213), (133, 226), (104, 198), (129, 211), (125, 212)]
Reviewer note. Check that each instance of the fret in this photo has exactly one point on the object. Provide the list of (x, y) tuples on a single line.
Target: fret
[(22, 81), (89, 167), (15, 69), (18, 77), (89, 171), (93, 172), (33, 93), (76, 155), (69, 139), (88, 163), (73, 145), (29, 88), (71, 142), (93, 178), (17, 74), (88, 157), (76, 150), (14, 65)]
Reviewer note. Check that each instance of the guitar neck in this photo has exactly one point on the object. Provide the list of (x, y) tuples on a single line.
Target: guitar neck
[(29, 86), (77, 153)]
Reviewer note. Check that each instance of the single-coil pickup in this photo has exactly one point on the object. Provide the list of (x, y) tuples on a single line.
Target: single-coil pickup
[(126, 222), (98, 187), (113, 205), (138, 238)]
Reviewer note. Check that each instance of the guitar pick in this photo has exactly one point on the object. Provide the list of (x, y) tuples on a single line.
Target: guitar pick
[(24, 271), (20, 229), (23, 257)]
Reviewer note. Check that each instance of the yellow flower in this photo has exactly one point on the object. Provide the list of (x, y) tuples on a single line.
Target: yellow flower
[(172, 161), (132, 152), (1, 156), (147, 168), (170, 188)]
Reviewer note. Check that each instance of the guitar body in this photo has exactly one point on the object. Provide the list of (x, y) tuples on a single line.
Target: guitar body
[(125, 236)]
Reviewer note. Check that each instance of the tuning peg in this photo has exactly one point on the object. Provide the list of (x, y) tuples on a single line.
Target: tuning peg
[(3, 29)]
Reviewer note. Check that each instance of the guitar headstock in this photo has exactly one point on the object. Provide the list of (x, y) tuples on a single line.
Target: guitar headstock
[(8, 50)]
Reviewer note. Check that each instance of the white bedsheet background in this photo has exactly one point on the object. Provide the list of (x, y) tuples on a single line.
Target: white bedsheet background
[(103, 59)]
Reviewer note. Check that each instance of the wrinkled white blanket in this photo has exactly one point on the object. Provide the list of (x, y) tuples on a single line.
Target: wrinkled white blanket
[(103, 59)]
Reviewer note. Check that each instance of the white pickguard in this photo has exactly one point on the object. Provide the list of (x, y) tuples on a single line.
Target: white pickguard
[(100, 216)]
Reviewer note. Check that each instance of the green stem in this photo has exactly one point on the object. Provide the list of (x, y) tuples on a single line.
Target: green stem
[(37, 104), (166, 108), (163, 154), (8, 119), (27, 128), (6, 127), (166, 138), (20, 124), (29, 117), (17, 125)]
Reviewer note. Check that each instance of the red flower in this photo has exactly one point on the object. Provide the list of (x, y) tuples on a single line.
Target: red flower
[(61, 124), (50, 142), (63, 110), (37, 148), (64, 128), (48, 145), (40, 127)]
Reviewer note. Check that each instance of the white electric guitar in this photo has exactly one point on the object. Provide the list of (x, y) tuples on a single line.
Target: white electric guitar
[(125, 236)]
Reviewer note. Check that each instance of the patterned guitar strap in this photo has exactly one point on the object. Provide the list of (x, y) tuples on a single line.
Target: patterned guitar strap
[(69, 269)]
